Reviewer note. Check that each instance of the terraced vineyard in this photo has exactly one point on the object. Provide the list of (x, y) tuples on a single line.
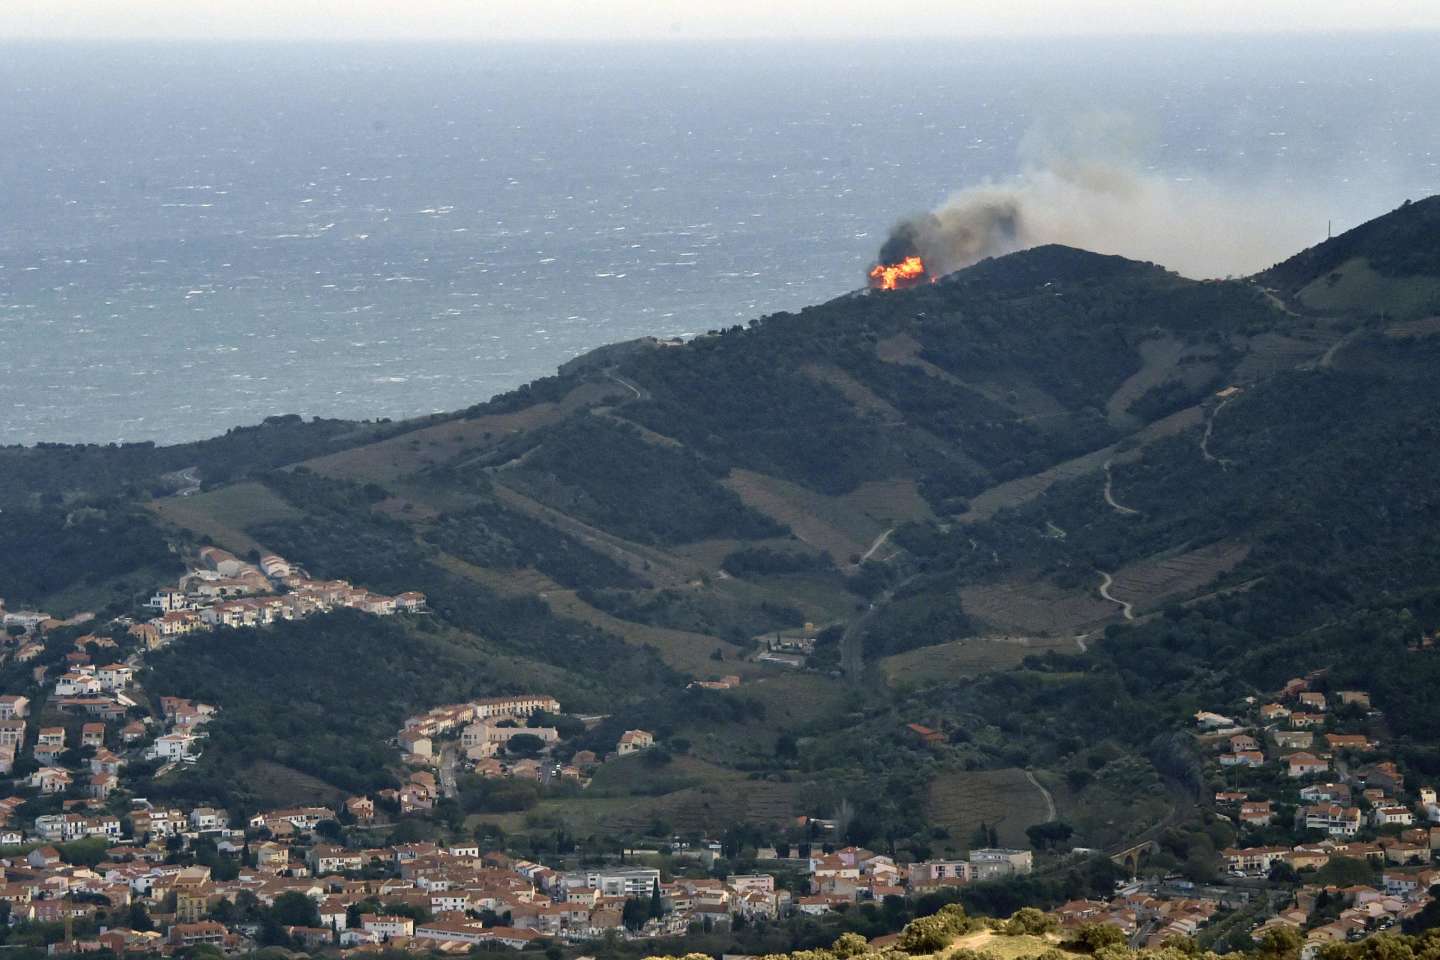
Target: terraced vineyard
[(1151, 583), (961, 800)]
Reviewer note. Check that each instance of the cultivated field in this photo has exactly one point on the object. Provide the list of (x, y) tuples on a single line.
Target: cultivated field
[(825, 523), (1153, 582), (389, 460), (1012, 493), (1026, 607), (1270, 353), (968, 657), (1004, 799)]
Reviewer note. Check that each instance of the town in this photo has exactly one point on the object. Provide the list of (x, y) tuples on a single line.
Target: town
[(1333, 844)]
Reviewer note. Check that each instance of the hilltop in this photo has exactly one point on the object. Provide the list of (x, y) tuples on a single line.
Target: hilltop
[(1042, 509)]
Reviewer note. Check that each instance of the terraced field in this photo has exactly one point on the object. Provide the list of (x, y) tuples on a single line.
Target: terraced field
[(1012, 493), (1028, 607), (1153, 582), (1004, 799)]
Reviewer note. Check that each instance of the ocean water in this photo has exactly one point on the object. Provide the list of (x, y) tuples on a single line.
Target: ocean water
[(194, 237)]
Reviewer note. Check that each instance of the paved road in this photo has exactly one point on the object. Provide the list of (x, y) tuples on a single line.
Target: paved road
[(448, 756)]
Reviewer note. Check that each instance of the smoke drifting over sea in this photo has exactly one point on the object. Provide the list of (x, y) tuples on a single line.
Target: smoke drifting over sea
[(1089, 189)]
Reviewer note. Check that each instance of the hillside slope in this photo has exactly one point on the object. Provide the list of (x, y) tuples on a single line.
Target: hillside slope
[(1048, 469)]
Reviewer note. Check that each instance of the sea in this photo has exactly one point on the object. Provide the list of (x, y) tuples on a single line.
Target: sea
[(198, 236)]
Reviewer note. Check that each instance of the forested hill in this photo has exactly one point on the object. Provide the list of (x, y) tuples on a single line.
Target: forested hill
[(1050, 481)]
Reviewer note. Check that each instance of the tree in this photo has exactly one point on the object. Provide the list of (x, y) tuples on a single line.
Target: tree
[(1280, 942), (1093, 937), (634, 914), (1044, 836), (140, 920), (294, 909), (657, 905), (1028, 921), (525, 745)]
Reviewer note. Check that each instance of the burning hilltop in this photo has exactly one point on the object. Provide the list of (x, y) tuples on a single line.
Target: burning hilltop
[(928, 246)]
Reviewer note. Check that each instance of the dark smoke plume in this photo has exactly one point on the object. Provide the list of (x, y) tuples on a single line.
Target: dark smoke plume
[(1087, 189)]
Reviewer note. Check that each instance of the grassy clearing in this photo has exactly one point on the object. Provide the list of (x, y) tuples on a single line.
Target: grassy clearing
[(861, 397), (1006, 948), (967, 658), (224, 514), (390, 460), (826, 523), (800, 699), (888, 502), (706, 795), (1354, 287), (684, 651), (662, 568), (961, 800)]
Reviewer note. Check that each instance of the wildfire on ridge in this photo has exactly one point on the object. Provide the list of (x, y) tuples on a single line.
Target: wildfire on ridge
[(897, 276)]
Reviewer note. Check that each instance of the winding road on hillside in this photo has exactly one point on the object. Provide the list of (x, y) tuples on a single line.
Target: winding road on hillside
[(1049, 800), (879, 542), (1110, 494), (1126, 607), (1209, 428), (639, 394)]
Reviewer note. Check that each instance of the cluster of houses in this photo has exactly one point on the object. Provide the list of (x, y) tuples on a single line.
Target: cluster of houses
[(1333, 914), (418, 896), (1307, 764), (225, 591), (1146, 918), (86, 757), (480, 730)]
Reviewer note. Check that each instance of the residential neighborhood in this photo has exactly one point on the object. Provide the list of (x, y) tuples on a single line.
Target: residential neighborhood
[(222, 590), (1306, 776)]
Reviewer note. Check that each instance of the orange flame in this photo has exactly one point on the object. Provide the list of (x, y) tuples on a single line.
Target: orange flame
[(897, 276)]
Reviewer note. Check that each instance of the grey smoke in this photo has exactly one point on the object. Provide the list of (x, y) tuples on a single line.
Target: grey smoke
[(1088, 188)]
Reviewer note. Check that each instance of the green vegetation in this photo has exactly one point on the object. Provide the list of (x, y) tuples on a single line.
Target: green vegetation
[(607, 474), (1290, 528), (47, 549), (490, 536)]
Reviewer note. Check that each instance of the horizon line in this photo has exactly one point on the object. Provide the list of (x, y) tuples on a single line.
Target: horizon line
[(677, 39)]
